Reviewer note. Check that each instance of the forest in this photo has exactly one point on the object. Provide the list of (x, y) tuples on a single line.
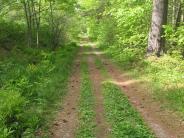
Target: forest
[(91, 68)]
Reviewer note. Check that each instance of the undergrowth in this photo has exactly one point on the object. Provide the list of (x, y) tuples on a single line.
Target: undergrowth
[(86, 106), (32, 83)]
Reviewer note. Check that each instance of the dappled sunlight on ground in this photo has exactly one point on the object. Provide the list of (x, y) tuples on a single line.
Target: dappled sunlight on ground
[(93, 53), (125, 83), (91, 50)]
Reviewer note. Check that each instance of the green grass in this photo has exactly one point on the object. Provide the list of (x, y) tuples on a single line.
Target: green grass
[(124, 119), (32, 84), (87, 124)]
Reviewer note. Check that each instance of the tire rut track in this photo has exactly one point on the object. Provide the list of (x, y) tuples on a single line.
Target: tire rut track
[(103, 128), (67, 119), (162, 122)]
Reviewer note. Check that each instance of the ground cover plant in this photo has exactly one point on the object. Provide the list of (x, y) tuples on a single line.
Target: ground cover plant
[(30, 90), (86, 106)]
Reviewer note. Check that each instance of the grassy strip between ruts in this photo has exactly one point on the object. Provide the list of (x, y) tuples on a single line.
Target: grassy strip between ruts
[(86, 106), (124, 119), (102, 69)]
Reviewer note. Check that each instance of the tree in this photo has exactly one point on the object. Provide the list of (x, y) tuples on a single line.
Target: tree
[(156, 41), (32, 9), (179, 14)]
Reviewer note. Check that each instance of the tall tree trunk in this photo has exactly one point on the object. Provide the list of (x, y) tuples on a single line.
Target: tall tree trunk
[(179, 16), (29, 37), (38, 23), (174, 13), (52, 24), (29, 12), (156, 42), (36, 17)]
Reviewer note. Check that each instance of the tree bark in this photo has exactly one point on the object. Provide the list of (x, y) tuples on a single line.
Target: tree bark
[(156, 42), (174, 13), (179, 16), (29, 32)]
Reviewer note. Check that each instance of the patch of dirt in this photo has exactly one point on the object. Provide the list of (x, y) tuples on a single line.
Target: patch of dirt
[(164, 123), (67, 119), (103, 129)]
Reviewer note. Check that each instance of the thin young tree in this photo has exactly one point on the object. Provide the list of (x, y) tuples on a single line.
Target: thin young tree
[(156, 41)]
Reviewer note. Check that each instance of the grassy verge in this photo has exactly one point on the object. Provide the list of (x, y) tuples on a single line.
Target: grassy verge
[(86, 107), (125, 120), (32, 84), (164, 75)]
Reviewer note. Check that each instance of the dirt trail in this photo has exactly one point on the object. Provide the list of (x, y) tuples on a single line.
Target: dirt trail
[(163, 123), (103, 129), (66, 122)]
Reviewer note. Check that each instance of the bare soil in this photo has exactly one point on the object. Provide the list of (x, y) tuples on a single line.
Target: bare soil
[(66, 121)]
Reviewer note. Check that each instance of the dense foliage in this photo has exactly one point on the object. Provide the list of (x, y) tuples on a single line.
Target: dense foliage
[(36, 55), (38, 23), (122, 27), (126, 34)]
